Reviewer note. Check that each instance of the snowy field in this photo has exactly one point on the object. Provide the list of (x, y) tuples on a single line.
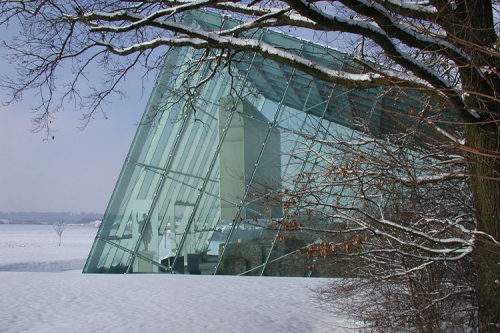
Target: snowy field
[(42, 290)]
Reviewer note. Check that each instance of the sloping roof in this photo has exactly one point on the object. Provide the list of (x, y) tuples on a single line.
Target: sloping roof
[(381, 108)]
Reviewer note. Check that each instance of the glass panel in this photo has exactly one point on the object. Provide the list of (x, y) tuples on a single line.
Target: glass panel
[(111, 260), (199, 180)]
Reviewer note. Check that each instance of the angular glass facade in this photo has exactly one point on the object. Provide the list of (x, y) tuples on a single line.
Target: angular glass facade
[(193, 194)]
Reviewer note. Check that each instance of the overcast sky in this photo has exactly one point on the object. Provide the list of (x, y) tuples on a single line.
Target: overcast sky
[(76, 171)]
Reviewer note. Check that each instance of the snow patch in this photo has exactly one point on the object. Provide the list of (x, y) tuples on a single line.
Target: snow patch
[(68, 301)]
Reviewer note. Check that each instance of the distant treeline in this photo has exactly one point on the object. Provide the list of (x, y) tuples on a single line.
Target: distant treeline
[(48, 218)]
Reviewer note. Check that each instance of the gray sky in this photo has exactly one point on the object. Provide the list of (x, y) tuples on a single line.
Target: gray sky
[(75, 172)]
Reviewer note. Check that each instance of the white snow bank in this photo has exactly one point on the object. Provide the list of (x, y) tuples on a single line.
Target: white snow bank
[(74, 302), (31, 247)]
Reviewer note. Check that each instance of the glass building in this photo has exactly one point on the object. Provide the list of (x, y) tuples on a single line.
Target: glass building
[(195, 192)]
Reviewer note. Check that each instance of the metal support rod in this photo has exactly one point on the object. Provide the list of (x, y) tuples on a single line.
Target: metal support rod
[(158, 189), (210, 169), (123, 248), (271, 261), (254, 171), (303, 166), (144, 120)]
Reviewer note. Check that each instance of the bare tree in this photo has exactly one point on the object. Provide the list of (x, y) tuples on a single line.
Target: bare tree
[(443, 48), (59, 228), (394, 215)]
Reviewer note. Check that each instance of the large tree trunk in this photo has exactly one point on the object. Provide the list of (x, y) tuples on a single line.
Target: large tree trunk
[(471, 24), (484, 166)]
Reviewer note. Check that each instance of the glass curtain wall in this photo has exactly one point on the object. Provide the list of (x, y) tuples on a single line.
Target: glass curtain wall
[(195, 194)]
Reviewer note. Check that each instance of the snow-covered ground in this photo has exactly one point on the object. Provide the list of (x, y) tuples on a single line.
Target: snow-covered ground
[(34, 248), (42, 290)]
